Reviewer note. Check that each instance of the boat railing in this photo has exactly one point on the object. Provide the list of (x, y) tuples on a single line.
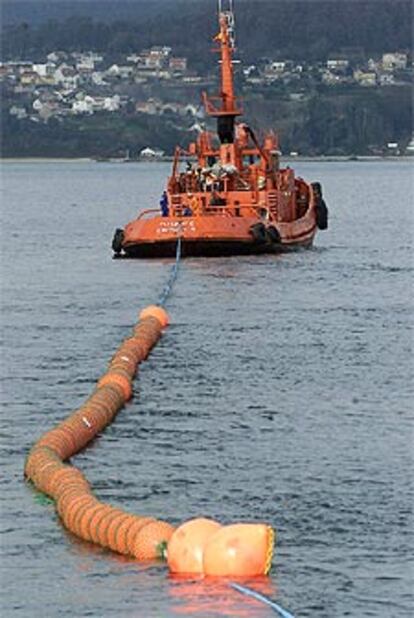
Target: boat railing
[(260, 209), (147, 212), (225, 210), (213, 105)]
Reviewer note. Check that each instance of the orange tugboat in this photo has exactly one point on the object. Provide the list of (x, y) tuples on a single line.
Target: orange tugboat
[(227, 194)]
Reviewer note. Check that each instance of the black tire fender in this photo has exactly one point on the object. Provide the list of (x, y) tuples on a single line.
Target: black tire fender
[(118, 240), (273, 235), (321, 214), (258, 231), (321, 207)]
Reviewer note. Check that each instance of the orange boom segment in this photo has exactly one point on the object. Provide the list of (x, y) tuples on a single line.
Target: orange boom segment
[(150, 540), (79, 510), (199, 546), (154, 311)]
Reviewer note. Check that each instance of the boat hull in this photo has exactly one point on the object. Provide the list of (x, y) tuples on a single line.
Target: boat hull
[(202, 248), (213, 236)]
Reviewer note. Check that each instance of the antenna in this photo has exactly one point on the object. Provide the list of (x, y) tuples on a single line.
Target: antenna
[(226, 8), (229, 108)]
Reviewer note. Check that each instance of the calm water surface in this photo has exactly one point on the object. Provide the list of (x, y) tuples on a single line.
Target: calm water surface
[(281, 392)]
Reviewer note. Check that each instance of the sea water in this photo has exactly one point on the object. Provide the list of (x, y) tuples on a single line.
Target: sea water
[(281, 392)]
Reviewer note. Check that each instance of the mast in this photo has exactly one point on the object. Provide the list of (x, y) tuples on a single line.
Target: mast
[(228, 109)]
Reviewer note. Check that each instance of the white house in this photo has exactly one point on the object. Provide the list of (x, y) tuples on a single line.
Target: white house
[(37, 105), (276, 67), (98, 78), (57, 56), (18, 112), (386, 79), (135, 58), (394, 61), (338, 64), (410, 148), (67, 76), (156, 57), (365, 78), (151, 153), (392, 148), (178, 65), (85, 65), (112, 104), (45, 69), (372, 64), (330, 78), (123, 71), (150, 106), (84, 106)]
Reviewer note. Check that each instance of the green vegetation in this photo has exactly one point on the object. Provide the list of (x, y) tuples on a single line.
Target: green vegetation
[(100, 135), (296, 29), (339, 120)]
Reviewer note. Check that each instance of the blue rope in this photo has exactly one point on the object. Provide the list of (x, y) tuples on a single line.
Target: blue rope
[(173, 276), (260, 597)]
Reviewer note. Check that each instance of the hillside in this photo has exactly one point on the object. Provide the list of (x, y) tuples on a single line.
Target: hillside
[(355, 110), (297, 29)]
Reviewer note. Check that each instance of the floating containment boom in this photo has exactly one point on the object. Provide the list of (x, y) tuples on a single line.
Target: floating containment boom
[(199, 546)]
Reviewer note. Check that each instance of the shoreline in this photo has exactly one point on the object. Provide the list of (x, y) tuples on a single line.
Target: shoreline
[(304, 158)]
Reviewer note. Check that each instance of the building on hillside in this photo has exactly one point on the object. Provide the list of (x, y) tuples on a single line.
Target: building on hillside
[(97, 78), (392, 148), (18, 112), (373, 65), (151, 106), (157, 57), (410, 147), (276, 67), (85, 65), (84, 105), (134, 58), (394, 61), (121, 71), (177, 65), (365, 78), (111, 104), (386, 79), (337, 64), (46, 69), (151, 153), (67, 76), (57, 56), (331, 78), (30, 78)]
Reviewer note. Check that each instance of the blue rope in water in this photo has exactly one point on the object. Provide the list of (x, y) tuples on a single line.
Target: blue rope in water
[(260, 597), (243, 589), (173, 276)]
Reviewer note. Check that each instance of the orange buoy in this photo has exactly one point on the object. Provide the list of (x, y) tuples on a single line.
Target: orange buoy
[(243, 550), (186, 546)]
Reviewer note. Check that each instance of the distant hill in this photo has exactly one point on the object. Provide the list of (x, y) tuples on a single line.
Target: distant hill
[(35, 12), (296, 28)]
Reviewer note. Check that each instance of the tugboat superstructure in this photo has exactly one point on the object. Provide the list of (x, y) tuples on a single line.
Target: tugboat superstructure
[(227, 193)]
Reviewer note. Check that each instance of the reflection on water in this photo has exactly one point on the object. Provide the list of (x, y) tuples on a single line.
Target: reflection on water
[(212, 597), (280, 393)]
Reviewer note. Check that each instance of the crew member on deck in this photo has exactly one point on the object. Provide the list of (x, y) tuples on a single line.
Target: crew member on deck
[(164, 204)]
